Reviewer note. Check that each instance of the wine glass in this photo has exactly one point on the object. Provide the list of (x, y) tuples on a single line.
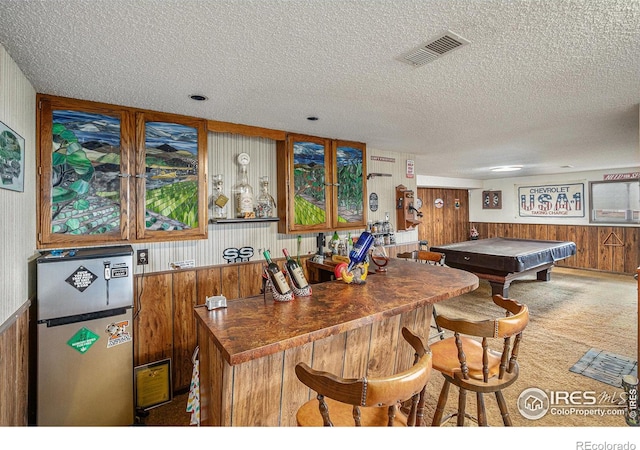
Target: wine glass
[(380, 258)]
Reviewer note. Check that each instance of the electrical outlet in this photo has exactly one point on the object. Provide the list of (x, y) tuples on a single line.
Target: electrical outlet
[(143, 257)]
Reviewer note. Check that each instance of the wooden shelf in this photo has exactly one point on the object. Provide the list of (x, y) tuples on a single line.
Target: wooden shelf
[(240, 220)]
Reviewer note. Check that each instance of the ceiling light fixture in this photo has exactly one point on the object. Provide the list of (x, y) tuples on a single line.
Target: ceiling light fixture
[(198, 97), (506, 168)]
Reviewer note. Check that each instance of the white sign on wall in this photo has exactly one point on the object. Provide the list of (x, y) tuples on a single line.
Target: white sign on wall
[(410, 168), (552, 200)]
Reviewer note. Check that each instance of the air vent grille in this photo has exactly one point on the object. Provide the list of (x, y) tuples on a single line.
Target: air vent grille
[(434, 49)]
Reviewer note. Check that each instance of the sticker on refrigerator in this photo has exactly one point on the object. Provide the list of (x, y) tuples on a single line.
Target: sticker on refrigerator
[(120, 270), (81, 279), (83, 340), (118, 333)]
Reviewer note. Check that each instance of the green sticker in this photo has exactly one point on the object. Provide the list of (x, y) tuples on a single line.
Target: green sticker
[(83, 340)]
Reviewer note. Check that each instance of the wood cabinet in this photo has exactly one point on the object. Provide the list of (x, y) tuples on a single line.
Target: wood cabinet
[(109, 174), (321, 184)]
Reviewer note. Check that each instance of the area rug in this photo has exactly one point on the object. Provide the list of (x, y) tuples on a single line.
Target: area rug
[(605, 366)]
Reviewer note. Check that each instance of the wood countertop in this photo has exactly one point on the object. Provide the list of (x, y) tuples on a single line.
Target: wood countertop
[(251, 328)]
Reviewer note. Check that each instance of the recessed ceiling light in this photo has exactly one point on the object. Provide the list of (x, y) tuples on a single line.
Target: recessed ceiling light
[(506, 168), (312, 118), (198, 97)]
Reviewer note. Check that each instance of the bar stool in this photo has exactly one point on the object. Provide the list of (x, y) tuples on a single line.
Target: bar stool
[(428, 257), (472, 366), (396, 400)]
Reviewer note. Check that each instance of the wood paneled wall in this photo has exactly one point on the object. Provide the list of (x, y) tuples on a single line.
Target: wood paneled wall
[(165, 326), (446, 224), (606, 248), (14, 370)]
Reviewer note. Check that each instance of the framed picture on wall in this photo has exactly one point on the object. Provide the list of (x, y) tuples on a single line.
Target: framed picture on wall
[(11, 159), (492, 200)]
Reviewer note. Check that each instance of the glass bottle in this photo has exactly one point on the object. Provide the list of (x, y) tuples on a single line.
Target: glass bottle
[(265, 204), (217, 199), (296, 272), (276, 275), (243, 191), (333, 244), (359, 252)]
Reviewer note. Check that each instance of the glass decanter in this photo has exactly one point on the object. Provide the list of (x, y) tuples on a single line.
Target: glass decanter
[(217, 199), (243, 192), (265, 205)]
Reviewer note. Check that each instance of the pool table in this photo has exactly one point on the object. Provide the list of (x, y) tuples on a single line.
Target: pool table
[(501, 260)]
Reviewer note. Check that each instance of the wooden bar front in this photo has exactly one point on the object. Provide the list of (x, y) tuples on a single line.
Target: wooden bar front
[(248, 351)]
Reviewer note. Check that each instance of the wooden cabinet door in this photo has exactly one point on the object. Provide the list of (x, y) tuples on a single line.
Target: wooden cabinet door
[(110, 174), (305, 174), (171, 176), (321, 184), (84, 172), (350, 188)]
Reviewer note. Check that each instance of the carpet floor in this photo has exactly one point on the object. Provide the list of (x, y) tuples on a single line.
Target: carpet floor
[(575, 311)]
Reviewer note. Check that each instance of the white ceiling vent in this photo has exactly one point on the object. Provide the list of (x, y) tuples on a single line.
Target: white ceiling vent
[(434, 49)]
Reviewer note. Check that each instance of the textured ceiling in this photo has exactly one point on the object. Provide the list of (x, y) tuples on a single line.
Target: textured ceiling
[(543, 83)]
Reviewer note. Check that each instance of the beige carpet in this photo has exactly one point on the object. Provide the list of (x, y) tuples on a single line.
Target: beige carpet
[(576, 311)]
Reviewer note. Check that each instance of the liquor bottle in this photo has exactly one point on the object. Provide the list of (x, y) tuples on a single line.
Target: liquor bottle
[(276, 275), (217, 199), (296, 272), (265, 204), (333, 244), (359, 252), (243, 191)]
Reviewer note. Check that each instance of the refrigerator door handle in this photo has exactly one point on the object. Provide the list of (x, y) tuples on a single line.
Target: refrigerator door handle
[(83, 317)]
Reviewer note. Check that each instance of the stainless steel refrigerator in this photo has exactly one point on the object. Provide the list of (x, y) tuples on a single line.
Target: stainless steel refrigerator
[(85, 337)]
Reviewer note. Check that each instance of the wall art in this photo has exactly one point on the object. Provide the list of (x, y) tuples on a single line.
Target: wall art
[(11, 159), (491, 199), (553, 200)]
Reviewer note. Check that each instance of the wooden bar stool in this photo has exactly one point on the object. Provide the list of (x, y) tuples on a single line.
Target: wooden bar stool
[(437, 259), (473, 366), (396, 400)]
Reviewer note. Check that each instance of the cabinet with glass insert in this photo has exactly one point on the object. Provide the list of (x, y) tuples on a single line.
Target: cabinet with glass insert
[(110, 173), (321, 184)]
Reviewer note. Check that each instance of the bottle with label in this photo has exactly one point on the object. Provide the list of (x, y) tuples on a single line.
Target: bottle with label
[(296, 272), (359, 252), (276, 275), (243, 192)]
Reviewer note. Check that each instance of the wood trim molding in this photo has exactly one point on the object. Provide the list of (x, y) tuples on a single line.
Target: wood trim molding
[(246, 130), (15, 316)]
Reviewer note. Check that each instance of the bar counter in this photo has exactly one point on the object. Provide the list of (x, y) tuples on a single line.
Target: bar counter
[(248, 350)]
